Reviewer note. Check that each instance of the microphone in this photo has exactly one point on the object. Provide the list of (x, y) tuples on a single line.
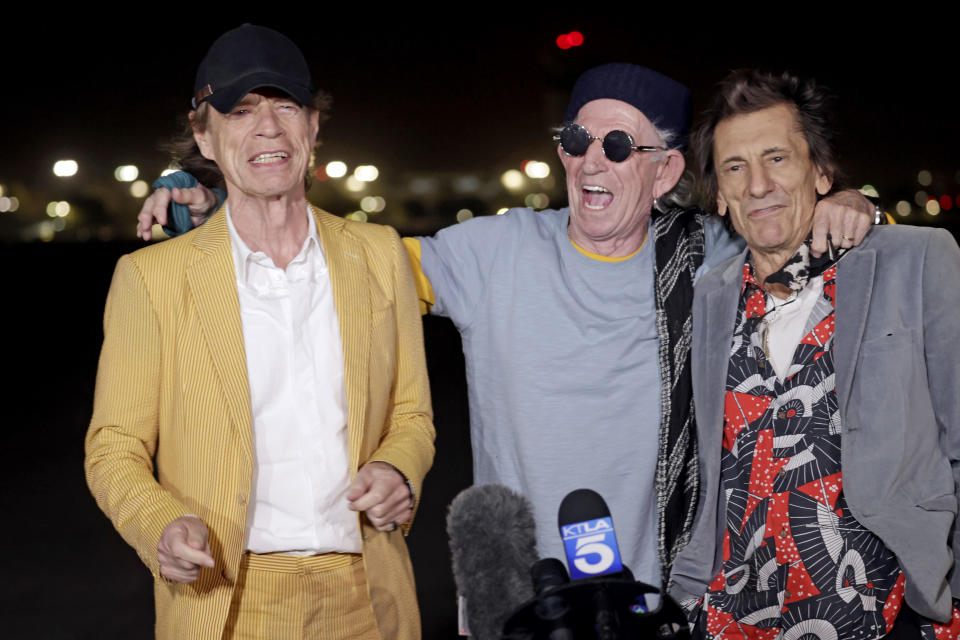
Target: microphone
[(550, 609), (602, 600), (493, 545), (589, 541)]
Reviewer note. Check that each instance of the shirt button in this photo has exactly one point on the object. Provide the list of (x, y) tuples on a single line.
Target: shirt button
[(782, 472), (241, 498), (783, 532)]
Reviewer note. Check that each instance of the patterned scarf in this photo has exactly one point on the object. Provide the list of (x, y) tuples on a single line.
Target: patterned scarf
[(802, 266), (678, 250)]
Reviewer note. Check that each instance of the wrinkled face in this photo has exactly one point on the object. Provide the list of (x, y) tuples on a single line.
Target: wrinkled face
[(767, 182), (611, 200), (263, 145)]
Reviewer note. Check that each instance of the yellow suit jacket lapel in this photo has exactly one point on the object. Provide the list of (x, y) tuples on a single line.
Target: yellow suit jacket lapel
[(346, 261), (213, 284)]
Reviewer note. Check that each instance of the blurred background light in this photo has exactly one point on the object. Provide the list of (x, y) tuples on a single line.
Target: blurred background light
[(126, 173), (537, 200), (423, 186), (502, 210), (46, 230), (355, 184), (366, 173), (924, 178), (464, 214), (139, 189), (65, 168), (372, 204), (903, 208), (512, 179), (336, 169), (466, 184), (536, 170)]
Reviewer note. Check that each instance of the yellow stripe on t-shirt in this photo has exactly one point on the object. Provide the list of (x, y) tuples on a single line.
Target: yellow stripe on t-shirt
[(597, 256)]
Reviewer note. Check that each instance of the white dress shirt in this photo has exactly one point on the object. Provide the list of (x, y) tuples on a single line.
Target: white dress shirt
[(785, 321), (298, 402)]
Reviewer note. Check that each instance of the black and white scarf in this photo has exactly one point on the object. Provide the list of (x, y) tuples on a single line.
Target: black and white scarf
[(678, 249)]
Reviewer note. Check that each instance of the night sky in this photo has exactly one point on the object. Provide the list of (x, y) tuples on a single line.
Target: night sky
[(424, 92)]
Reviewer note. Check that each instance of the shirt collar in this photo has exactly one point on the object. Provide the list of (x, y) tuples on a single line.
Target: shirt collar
[(243, 256)]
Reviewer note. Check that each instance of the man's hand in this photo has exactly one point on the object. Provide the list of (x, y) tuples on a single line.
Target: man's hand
[(183, 549), (846, 215), (380, 491), (199, 199)]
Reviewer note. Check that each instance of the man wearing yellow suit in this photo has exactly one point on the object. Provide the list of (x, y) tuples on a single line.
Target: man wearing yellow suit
[(262, 417)]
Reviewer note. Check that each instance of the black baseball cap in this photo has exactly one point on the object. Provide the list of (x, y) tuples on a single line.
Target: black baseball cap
[(246, 58)]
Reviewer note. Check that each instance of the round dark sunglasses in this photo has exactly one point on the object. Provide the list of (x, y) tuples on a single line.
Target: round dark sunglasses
[(617, 145)]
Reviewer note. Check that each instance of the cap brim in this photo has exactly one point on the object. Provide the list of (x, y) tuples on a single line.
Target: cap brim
[(224, 99)]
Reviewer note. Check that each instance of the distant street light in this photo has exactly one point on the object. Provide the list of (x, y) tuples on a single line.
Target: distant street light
[(65, 168)]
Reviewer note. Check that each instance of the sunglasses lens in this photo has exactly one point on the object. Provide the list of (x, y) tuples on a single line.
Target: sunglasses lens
[(617, 145), (574, 140)]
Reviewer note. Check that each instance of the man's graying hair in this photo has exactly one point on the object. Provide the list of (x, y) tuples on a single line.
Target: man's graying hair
[(683, 193), (747, 91)]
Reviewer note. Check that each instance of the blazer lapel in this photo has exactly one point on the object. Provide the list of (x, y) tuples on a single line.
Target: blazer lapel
[(720, 315), (855, 273), (346, 261), (213, 283)]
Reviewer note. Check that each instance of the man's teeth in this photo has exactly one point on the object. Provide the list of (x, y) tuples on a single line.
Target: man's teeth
[(267, 157), (596, 197)]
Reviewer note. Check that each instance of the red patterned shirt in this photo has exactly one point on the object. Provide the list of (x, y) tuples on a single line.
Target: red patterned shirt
[(795, 560)]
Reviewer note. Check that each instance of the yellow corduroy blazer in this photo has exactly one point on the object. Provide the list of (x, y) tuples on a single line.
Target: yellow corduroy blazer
[(171, 432)]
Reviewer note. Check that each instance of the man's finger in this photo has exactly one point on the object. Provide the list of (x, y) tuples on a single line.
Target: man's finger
[(358, 487), (199, 557), (399, 515), (859, 226), (154, 209), (821, 226), (369, 499), (179, 575), (198, 199), (398, 500)]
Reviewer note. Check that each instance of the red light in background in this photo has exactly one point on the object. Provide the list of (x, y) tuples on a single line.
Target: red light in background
[(572, 39), (321, 173), (946, 203)]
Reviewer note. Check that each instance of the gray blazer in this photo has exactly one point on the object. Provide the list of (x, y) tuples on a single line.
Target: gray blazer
[(897, 355)]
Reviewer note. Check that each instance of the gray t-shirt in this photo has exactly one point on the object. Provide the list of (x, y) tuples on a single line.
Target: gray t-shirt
[(562, 367)]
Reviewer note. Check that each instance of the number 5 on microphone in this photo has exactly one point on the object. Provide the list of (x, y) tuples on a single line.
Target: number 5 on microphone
[(594, 545), (591, 548)]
